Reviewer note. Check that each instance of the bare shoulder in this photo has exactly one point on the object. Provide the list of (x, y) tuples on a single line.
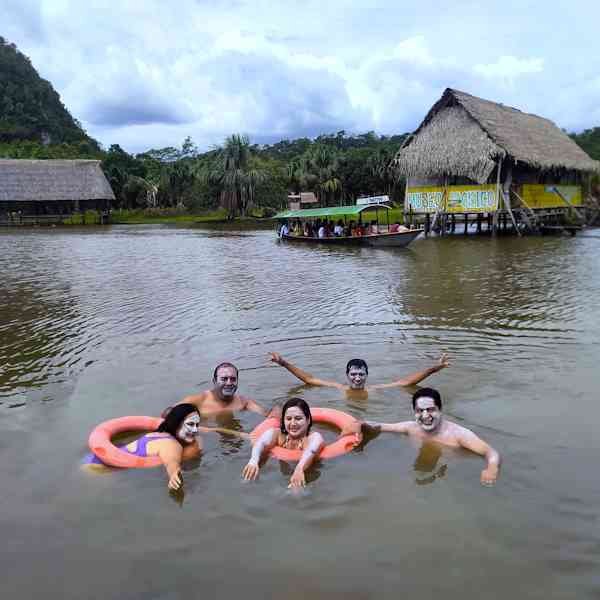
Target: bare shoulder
[(458, 430), (196, 399), (409, 427)]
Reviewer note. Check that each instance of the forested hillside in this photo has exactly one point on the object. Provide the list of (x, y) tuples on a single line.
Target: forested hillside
[(30, 108), (239, 175)]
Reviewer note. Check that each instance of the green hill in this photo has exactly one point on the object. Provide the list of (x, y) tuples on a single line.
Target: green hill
[(30, 108)]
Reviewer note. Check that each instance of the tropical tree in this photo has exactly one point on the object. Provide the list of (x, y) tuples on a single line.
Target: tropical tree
[(235, 175), (323, 170)]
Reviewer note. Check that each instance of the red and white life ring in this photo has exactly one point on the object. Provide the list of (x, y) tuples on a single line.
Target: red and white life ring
[(101, 445), (341, 445)]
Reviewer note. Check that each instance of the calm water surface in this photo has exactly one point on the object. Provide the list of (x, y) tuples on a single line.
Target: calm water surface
[(126, 320)]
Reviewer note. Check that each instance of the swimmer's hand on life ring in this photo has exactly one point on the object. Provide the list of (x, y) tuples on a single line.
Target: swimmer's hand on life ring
[(354, 428)]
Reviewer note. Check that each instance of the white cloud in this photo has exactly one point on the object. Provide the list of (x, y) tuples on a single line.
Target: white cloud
[(148, 74), (510, 68)]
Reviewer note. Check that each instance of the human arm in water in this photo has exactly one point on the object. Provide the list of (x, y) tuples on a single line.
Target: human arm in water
[(313, 447), (254, 406), (357, 427), (264, 443), (171, 455), (417, 377), (467, 439), (301, 374)]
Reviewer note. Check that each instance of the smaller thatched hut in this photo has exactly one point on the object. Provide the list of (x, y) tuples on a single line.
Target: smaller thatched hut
[(47, 188), (471, 155)]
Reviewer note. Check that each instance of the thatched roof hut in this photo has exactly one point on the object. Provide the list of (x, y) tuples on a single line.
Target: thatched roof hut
[(53, 181), (465, 136)]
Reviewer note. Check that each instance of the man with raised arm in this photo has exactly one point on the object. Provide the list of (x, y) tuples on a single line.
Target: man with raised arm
[(357, 373), (431, 426), (223, 397)]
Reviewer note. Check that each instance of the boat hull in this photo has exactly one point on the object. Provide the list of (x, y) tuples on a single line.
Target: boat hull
[(398, 239)]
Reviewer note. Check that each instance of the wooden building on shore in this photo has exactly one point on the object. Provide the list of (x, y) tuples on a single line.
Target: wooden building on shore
[(483, 164), (49, 191)]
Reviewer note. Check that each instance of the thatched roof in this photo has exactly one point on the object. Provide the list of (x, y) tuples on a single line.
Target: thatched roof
[(465, 135), (48, 180)]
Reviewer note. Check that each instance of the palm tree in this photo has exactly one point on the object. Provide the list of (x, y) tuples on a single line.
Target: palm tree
[(323, 165), (234, 175)]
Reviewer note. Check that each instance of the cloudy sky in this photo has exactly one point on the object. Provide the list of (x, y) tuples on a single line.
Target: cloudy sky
[(146, 74)]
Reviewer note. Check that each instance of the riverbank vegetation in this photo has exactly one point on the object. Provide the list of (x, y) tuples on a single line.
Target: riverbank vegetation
[(183, 184)]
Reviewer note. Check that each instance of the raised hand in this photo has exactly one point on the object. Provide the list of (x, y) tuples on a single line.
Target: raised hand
[(276, 358), (443, 362)]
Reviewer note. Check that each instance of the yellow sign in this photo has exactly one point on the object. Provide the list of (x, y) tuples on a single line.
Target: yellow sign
[(425, 199), (544, 196), (472, 198), (460, 199)]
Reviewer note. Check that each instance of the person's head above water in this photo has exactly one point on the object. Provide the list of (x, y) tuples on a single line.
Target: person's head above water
[(225, 379), (357, 372), (296, 419), (427, 406), (182, 422)]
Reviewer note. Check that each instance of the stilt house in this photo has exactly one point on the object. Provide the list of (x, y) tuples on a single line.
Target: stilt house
[(482, 159)]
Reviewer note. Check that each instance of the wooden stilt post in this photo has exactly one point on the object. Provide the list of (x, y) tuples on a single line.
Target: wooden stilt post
[(479, 222), (427, 224), (466, 231)]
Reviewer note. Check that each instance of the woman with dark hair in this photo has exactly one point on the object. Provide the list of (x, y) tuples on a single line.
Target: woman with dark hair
[(293, 434), (175, 439)]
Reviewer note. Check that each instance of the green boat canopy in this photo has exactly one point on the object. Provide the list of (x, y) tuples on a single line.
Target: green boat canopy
[(331, 211)]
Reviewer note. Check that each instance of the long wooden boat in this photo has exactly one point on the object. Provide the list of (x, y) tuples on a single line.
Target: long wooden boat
[(397, 239), (386, 239)]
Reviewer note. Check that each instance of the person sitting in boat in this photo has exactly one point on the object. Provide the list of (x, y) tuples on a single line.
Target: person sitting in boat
[(338, 230), (285, 230), (322, 232), (175, 439), (293, 434), (357, 373), (374, 228)]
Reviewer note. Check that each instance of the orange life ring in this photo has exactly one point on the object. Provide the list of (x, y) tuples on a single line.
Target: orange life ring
[(340, 446), (101, 445)]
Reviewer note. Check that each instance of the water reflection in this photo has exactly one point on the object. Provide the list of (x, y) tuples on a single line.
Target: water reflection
[(426, 462), (151, 310)]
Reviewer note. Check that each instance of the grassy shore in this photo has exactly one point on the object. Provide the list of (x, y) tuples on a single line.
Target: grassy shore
[(139, 217), (171, 216)]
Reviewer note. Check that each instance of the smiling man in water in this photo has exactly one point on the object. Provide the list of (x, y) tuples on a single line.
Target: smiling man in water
[(357, 373), (431, 426), (223, 397)]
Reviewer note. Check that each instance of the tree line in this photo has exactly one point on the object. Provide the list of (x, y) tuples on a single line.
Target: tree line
[(238, 175)]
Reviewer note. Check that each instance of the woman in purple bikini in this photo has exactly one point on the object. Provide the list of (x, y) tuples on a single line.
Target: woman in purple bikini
[(175, 439)]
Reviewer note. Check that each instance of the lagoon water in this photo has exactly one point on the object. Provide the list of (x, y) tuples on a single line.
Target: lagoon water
[(99, 323)]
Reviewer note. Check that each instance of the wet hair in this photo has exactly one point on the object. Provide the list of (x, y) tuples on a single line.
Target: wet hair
[(302, 405), (427, 393), (175, 417), (359, 363), (222, 366)]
